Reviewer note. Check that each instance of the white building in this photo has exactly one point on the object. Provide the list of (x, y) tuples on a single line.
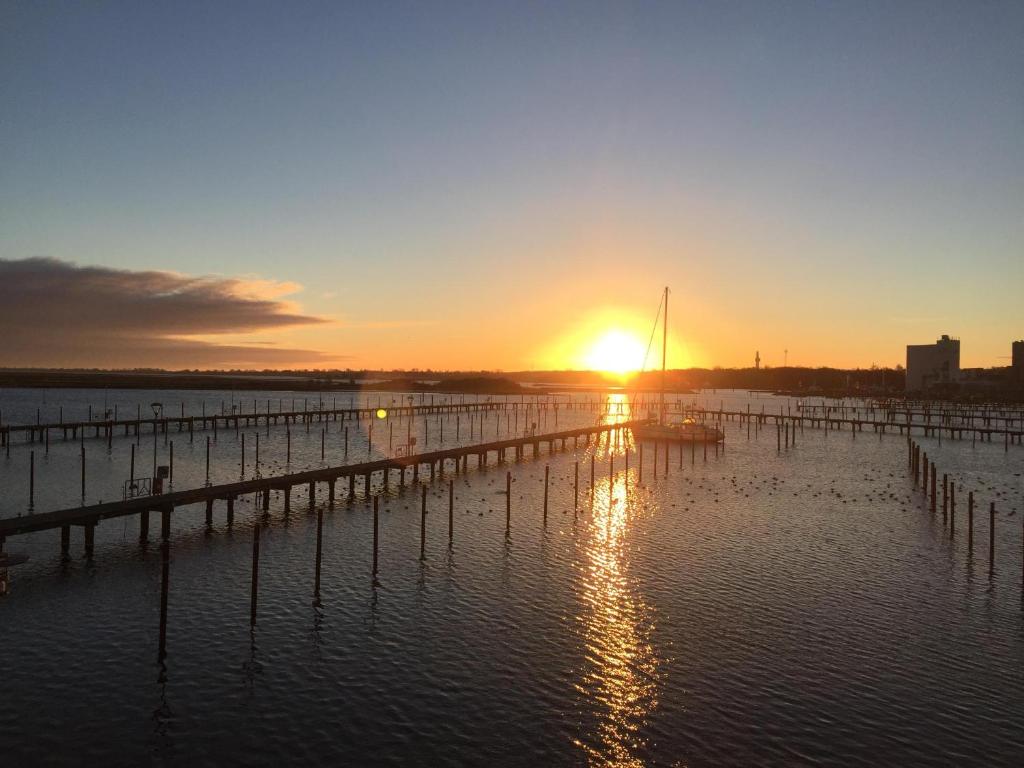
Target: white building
[(932, 364)]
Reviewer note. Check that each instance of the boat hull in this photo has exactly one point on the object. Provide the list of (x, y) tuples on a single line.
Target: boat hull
[(683, 433)]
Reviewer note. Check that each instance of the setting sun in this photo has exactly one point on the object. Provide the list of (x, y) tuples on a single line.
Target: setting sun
[(616, 352)]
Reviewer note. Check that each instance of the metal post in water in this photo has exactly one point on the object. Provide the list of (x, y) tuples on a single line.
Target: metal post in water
[(255, 574), (508, 503), (970, 522), (575, 488), (991, 539), (547, 470), (423, 522), (319, 550), (376, 504)]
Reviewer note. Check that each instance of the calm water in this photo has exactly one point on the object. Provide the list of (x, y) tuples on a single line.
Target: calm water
[(760, 608)]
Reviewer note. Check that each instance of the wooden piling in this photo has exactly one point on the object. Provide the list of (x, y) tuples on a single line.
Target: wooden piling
[(254, 590), (945, 496), (165, 578), (508, 503), (575, 488), (90, 537), (423, 523), (376, 504), (319, 550), (952, 508), (547, 470), (991, 538), (970, 522)]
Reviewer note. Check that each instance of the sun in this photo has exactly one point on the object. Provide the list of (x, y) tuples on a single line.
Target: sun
[(615, 351)]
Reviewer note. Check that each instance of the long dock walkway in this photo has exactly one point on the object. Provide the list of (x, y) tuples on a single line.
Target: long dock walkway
[(89, 516), (106, 428), (827, 420)]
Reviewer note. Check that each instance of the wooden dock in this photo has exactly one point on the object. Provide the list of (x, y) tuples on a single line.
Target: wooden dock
[(828, 421), (432, 462), (107, 427)]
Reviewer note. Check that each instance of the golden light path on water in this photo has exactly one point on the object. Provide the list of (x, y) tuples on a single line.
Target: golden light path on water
[(619, 678)]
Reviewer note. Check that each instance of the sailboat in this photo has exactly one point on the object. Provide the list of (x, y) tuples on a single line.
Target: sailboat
[(660, 428)]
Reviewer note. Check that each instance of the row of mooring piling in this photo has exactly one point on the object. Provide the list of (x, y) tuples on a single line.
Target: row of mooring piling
[(925, 476)]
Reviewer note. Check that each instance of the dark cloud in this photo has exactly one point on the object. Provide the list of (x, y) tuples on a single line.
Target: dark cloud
[(54, 313)]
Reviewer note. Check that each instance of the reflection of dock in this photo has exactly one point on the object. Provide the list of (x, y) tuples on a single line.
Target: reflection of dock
[(433, 462)]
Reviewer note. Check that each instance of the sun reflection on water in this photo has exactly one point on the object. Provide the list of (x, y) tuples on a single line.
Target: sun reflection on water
[(619, 680)]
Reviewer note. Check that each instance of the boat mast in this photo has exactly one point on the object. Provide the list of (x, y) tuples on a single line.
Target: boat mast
[(664, 350)]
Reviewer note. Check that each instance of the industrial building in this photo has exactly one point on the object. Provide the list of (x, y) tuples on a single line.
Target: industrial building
[(930, 365)]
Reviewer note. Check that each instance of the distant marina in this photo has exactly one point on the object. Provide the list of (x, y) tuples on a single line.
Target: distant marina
[(552, 501)]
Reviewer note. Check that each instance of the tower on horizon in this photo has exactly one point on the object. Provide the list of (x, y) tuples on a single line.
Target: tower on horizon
[(757, 360)]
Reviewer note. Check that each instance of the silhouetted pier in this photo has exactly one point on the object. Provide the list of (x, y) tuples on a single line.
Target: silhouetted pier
[(107, 427), (433, 462), (899, 422)]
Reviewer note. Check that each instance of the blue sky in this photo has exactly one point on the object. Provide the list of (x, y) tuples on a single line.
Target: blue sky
[(455, 184)]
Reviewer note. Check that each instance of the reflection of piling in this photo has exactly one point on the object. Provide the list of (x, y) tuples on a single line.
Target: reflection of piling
[(255, 574), (451, 511), (31, 479)]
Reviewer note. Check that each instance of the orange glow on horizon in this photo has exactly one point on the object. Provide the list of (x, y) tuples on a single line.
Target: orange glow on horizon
[(615, 342)]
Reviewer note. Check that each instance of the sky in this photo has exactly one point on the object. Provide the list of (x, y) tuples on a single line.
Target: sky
[(500, 185)]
